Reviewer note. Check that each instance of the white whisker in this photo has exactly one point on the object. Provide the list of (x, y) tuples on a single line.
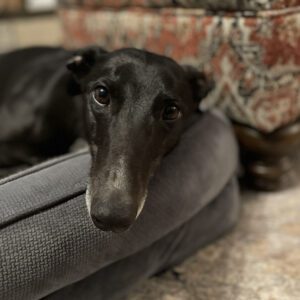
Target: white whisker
[(88, 199), (141, 206)]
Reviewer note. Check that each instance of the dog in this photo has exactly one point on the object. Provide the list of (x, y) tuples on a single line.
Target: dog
[(130, 105)]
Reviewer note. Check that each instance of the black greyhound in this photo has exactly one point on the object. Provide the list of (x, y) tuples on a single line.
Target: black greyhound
[(134, 108)]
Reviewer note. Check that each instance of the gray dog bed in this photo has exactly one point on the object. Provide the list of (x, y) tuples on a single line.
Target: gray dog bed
[(50, 248)]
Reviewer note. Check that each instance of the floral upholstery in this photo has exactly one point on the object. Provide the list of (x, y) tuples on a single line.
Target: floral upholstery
[(254, 57)]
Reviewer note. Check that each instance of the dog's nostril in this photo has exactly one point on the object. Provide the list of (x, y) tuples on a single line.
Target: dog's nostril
[(97, 220), (111, 223)]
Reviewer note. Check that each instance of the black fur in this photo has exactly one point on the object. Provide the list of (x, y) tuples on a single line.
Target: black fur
[(41, 117)]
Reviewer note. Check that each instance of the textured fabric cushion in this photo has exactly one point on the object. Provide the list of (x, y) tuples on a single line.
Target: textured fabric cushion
[(116, 280), (47, 239), (254, 58)]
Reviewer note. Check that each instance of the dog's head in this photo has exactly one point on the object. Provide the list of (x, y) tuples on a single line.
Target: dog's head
[(136, 104)]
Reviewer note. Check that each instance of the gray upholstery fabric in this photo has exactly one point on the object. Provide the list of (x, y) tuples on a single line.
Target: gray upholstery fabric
[(47, 239), (115, 280)]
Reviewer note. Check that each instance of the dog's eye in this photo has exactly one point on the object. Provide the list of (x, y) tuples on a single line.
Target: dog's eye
[(171, 113), (101, 95)]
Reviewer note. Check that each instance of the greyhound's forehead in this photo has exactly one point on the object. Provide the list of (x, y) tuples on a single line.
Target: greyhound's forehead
[(128, 70), (140, 63)]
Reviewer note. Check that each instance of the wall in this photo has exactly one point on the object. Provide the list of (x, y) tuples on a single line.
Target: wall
[(26, 31)]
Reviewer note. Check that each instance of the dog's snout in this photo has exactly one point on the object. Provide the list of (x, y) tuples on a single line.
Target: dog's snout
[(116, 213)]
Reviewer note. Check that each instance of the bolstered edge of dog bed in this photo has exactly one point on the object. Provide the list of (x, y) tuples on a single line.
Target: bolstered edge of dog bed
[(47, 239), (118, 278)]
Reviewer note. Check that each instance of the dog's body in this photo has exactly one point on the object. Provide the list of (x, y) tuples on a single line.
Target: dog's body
[(132, 109), (33, 106)]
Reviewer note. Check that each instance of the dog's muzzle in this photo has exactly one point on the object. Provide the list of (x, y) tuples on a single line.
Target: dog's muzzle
[(116, 213)]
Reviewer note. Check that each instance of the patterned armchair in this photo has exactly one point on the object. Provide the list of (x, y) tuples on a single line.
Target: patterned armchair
[(250, 47)]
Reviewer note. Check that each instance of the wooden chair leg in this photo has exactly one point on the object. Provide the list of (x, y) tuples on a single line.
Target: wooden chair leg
[(270, 161)]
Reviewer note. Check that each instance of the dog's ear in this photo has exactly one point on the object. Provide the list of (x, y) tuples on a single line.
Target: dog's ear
[(200, 83), (83, 60)]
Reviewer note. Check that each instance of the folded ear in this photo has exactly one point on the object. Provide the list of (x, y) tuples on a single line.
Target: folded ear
[(200, 83), (83, 60)]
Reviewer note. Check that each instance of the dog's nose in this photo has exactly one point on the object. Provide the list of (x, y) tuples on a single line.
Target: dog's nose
[(110, 222), (116, 213)]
